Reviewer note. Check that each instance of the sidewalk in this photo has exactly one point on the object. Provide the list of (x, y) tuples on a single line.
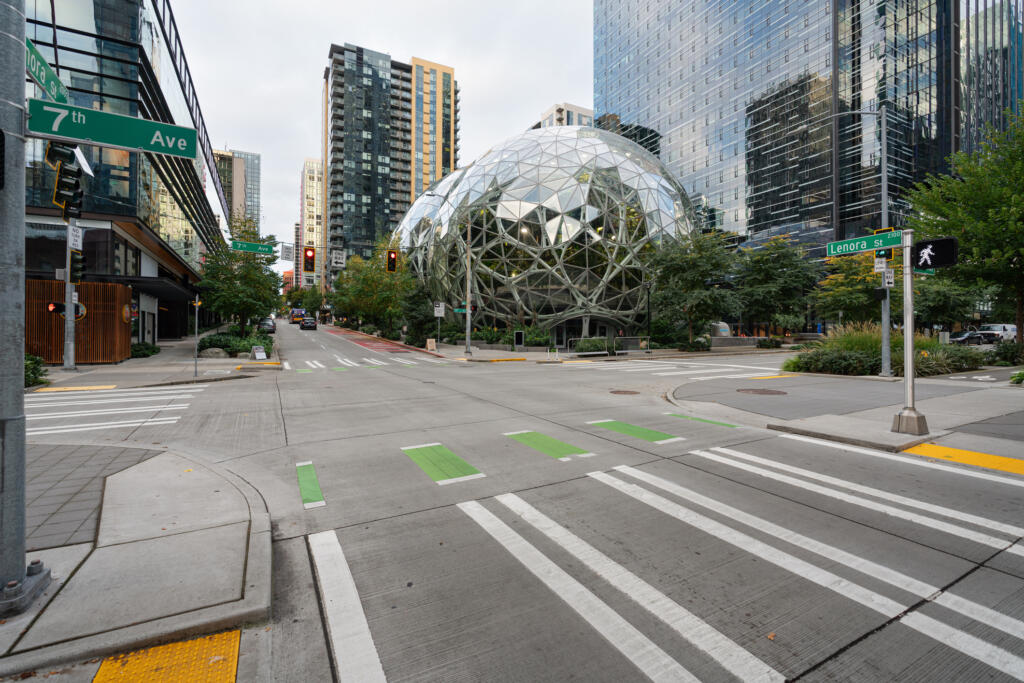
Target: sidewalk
[(860, 410), (458, 351)]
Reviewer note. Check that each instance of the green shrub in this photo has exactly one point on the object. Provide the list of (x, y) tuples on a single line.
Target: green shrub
[(698, 344), (591, 345), (1017, 377), (833, 361), (233, 344), (369, 329), (35, 371), (144, 350), (1006, 353), (867, 337), (769, 343)]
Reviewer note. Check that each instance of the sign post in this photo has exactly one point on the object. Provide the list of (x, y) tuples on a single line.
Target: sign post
[(438, 313), (908, 420), (195, 358)]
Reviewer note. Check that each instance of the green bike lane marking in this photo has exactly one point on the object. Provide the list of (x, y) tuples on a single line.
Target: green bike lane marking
[(548, 445), (701, 419), (309, 485), (440, 464), (304, 370), (638, 432), (339, 369)]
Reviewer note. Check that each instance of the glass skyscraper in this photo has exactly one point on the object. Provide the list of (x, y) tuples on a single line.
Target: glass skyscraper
[(390, 131), (252, 184), (751, 104)]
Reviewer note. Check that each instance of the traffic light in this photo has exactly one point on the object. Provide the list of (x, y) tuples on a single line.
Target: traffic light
[(55, 307), (309, 259), (884, 253), (392, 260), (880, 293), (472, 309), (67, 189), (77, 265)]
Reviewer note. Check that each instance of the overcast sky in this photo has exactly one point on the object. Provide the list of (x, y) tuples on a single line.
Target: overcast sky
[(258, 68)]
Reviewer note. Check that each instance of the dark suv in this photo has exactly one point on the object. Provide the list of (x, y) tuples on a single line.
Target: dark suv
[(308, 324), (267, 325)]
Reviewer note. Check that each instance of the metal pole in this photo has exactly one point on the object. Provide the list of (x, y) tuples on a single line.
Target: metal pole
[(195, 359), (908, 420), (649, 316), (469, 297), (886, 327), (19, 585), (69, 306)]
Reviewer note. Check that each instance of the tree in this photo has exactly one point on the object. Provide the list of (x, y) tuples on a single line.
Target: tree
[(981, 204), (689, 279), (773, 282), (849, 289), (940, 300), (312, 300), (367, 291), (241, 284), (293, 299)]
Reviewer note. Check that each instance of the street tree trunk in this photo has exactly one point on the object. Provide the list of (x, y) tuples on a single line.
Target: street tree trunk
[(1020, 314)]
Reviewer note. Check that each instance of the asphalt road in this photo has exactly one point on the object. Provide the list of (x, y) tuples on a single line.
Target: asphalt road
[(444, 520)]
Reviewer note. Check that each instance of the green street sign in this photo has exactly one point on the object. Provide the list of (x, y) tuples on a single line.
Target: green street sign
[(253, 247), (460, 310), (42, 74), (882, 240), (56, 121), (924, 271)]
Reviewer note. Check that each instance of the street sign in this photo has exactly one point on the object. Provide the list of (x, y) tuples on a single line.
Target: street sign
[(883, 240), (338, 257), (881, 264), (287, 252), (460, 310), (75, 237), (56, 121), (937, 253), (439, 309), (42, 74), (238, 245), (890, 277), (924, 271)]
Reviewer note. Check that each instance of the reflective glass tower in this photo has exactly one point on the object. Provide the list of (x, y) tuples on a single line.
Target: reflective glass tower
[(751, 104)]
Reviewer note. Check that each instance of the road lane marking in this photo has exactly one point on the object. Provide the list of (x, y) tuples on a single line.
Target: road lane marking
[(374, 361), (654, 662), (319, 365), (310, 364), (95, 388), (109, 411), (309, 485), (160, 397), (701, 419), (303, 370), (355, 655), (92, 426), (404, 361), (965, 457), (878, 493), (686, 372), (881, 508), (984, 652), (440, 464), (340, 369), (922, 589), (649, 435), (212, 659), (287, 365), (907, 461), (730, 655), (122, 393), (548, 445)]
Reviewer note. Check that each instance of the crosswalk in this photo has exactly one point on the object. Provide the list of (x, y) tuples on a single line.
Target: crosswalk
[(340, 363), (689, 371), (590, 569), (94, 410)]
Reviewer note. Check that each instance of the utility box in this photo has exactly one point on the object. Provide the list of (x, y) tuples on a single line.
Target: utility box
[(520, 339)]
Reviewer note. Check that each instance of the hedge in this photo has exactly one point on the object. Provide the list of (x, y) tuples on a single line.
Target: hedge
[(35, 371)]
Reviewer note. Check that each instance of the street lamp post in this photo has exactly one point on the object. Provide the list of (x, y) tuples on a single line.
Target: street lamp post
[(469, 297), (886, 326)]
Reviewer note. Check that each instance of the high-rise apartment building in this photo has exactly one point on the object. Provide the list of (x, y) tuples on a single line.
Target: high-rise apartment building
[(390, 131), (231, 170), (565, 114), (148, 220), (311, 223), (752, 105), (253, 208)]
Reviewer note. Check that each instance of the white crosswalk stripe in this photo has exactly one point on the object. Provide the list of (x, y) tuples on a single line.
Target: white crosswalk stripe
[(67, 412), (374, 361), (404, 361)]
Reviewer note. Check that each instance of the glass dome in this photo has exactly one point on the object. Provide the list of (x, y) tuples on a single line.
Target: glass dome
[(560, 221)]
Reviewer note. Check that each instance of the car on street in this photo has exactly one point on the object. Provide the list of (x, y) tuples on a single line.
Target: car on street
[(967, 338), (267, 325), (308, 324)]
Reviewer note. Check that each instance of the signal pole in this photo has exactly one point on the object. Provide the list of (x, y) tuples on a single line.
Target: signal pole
[(20, 585), (69, 303)]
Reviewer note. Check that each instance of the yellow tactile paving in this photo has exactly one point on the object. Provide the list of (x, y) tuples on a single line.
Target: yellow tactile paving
[(104, 386), (210, 659), (986, 460)]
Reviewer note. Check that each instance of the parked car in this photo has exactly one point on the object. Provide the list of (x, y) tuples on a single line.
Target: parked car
[(967, 337), (998, 332), (268, 325), (308, 324)]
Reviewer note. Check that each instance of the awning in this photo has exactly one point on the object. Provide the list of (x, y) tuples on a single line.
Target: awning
[(163, 288)]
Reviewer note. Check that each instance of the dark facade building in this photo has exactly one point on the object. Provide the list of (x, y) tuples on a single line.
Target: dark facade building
[(147, 219), (390, 131), (751, 104)]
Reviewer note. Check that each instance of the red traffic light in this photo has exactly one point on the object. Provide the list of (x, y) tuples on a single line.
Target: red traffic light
[(54, 307), (392, 261), (309, 259)]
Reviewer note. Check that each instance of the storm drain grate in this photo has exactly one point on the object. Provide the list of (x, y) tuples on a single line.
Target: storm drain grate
[(624, 391)]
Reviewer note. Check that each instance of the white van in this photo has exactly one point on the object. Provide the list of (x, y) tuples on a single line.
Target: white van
[(999, 331)]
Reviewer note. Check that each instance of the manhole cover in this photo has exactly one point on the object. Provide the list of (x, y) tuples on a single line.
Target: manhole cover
[(762, 392), (624, 391)]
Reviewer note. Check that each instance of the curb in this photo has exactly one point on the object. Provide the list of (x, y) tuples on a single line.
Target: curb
[(854, 441), (495, 360), (254, 605)]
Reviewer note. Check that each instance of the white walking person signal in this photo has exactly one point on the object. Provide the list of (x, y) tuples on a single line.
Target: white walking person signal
[(924, 257)]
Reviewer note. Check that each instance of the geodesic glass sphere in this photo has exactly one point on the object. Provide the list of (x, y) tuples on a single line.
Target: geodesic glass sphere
[(560, 221)]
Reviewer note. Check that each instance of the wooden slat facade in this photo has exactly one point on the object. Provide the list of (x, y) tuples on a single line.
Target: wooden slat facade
[(102, 336)]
